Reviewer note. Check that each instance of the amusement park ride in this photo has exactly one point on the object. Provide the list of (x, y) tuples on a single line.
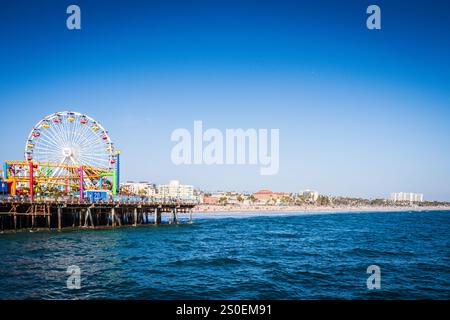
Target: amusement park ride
[(66, 153)]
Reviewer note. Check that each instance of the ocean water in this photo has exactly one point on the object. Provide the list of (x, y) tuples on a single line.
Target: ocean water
[(265, 256)]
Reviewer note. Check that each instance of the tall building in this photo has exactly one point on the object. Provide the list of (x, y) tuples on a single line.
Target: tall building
[(175, 190), (407, 196)]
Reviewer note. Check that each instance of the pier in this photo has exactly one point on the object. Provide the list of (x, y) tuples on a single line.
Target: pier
[(18, 215), (70, 178)]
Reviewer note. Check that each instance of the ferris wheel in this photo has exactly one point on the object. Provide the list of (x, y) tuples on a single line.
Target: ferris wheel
[(70, 138)]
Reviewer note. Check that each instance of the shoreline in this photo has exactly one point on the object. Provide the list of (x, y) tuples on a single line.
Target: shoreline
[(220, 209)]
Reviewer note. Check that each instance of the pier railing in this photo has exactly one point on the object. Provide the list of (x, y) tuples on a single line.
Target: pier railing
[(112, 200)]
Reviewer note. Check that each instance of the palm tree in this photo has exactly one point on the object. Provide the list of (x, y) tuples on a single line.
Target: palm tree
[(223, 200)]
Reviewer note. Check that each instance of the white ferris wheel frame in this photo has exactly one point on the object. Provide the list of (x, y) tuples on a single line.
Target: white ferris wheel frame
[(56, 133)]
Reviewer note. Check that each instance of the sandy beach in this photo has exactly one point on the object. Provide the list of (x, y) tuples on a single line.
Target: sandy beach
[(310, 208)]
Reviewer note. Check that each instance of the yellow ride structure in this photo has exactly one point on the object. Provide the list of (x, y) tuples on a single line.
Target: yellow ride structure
[(32, 178)]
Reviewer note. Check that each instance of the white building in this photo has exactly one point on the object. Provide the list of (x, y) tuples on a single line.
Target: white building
[(407, 196), (310, 195), (176, 190), (142, 188)]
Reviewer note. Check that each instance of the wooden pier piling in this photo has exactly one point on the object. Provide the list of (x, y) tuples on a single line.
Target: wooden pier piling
[(157, 216), (59, 217)]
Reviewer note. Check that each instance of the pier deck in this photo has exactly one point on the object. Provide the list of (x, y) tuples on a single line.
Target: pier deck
[(18, 215)]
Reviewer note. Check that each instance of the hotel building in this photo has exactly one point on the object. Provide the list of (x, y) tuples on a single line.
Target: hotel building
[(175, 190), (265, 196), (406, 196)]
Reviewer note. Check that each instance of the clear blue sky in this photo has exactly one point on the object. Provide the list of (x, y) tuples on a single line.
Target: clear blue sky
[(360, 113)]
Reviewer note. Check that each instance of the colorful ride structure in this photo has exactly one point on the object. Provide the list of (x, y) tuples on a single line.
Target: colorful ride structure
[(66, 153)]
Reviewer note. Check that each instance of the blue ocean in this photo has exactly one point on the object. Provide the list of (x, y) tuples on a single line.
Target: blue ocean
[(233, 256)]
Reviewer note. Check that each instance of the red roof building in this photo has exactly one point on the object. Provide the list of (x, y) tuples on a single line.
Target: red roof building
[(265, 195)]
